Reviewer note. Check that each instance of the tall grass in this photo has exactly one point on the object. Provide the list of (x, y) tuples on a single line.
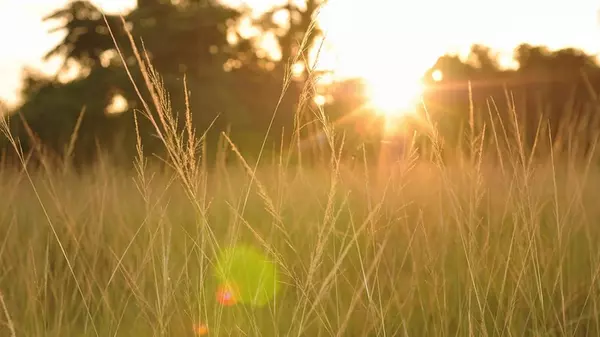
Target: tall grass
[(491, 244)]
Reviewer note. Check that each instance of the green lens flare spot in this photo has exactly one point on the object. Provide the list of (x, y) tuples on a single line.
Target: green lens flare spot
[(251, 277)]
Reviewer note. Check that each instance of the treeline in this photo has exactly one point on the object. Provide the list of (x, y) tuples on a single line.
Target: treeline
[(234, 86), (551, 95), (548, 102)]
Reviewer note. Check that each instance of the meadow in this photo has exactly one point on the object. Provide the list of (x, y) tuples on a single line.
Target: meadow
[(494, 243), (421, 249)]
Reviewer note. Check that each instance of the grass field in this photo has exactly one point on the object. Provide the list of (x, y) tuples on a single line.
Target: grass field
[(486, 245), (422, 249)]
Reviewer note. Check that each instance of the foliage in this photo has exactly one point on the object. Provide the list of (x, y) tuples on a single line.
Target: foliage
[(228, 84), (550, 90), (233, 86)]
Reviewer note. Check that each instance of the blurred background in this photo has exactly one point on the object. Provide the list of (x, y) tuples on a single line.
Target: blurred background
[(370, 69)]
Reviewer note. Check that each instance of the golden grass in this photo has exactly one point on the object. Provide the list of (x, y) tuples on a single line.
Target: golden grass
[(421, 248)]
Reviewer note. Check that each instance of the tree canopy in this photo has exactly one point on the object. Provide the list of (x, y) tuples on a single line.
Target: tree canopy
[(232, 84)]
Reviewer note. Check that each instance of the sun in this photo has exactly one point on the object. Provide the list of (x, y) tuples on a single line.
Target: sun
[(392, 96), (391, 49)]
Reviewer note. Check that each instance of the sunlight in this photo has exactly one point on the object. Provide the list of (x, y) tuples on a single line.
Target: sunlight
[(118, 105), (389, 52), (297, 69), (437, 75), (391, 96), (320, 100)]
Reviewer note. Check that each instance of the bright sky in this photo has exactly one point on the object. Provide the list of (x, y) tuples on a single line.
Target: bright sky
[(361, 37)]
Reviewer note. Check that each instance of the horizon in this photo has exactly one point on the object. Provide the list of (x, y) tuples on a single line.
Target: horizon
[(348, 44)]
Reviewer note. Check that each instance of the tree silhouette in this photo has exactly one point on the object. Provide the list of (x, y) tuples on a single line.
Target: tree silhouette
[(187, 38), (87, 36), (233, 82), (229, 81), (196, 32), (300, 30), (550, 89), (484, 59)]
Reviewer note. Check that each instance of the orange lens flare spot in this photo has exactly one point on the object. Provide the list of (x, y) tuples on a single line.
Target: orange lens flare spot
[(225, 295), (201, 329)]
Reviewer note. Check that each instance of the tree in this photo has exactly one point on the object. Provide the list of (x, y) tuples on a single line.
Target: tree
[(87, 36), (299, 31), (484, 59), (548, 87), (227, 80), (188, 38)]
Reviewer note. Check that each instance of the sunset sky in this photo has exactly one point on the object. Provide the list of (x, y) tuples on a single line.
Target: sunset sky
[(420, 31)]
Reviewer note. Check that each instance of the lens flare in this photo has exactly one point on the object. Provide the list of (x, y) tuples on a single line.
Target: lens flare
[(226, 295), (246, 276), (392, 98), (200, 329)]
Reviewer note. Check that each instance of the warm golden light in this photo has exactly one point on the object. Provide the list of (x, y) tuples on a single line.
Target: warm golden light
[(118, 104), (437, 75), (393, 97), (320, 100), (297, 69)]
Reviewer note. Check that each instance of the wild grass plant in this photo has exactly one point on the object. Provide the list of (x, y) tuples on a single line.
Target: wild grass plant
[(493, 243)]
